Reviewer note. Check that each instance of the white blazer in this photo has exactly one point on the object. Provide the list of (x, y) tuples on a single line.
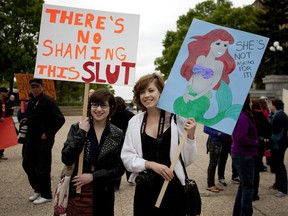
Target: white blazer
[(132, 155)]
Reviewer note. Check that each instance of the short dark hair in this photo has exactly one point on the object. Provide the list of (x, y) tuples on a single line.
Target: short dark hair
[(3, 89), (143, 83), (100, 96), (279, 105), (35, 81), (120, 104)]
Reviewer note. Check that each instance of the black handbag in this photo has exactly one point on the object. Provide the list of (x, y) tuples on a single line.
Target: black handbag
[(193, 201)]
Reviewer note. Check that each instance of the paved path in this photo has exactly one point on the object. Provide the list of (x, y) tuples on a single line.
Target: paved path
[(15, 188)]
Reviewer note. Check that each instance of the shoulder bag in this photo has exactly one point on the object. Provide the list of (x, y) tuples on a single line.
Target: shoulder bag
[(192, 196), (61, 194)]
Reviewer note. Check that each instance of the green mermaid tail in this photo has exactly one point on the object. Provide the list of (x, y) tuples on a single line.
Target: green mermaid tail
[(199, 107)]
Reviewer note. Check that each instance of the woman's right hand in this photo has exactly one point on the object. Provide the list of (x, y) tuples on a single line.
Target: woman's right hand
[(85, 124), (160, 169)]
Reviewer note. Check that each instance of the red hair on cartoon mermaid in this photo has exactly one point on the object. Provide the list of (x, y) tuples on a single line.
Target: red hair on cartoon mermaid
[(201, 46)]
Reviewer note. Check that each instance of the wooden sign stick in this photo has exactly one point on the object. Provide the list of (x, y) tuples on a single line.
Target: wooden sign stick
[(84, 115), (172, 167)]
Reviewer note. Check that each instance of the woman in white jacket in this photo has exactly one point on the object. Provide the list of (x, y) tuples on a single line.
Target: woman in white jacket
[(151, 141)]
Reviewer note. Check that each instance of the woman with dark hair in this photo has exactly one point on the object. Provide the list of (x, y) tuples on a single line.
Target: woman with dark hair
[(120, 118), (102, 143), (150, 143), (264, 133), (244, 149), (279, 145)]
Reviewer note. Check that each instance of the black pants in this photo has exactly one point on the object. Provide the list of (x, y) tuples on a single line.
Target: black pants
[(278, 156), (214, 147), (225, 151), (37, 165)]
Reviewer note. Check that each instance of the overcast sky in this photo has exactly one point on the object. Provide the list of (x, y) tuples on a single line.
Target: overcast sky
[(156, 18)]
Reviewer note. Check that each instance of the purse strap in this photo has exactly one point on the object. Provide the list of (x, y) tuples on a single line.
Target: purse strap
[(184, 168)]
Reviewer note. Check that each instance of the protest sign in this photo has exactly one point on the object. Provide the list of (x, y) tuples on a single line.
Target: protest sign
[(8, 133), (87, 46), (22, 81), (212, 74)]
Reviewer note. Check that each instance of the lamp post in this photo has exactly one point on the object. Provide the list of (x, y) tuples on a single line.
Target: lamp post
[(276, 48)]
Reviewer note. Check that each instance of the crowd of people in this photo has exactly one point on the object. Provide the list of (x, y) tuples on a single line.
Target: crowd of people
[(261, 127), (114, 141)]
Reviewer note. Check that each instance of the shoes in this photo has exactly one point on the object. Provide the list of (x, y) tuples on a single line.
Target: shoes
[(280, 194), (235, 180), (255, 198), (219, 188), (2, 157), (41, 200), (34, 196), (272, 187), (213, 189), (222, 182)]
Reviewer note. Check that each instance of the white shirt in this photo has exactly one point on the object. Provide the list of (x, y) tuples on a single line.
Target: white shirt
[(132, 155)]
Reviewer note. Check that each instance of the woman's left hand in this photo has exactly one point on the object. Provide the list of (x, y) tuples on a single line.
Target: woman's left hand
[(190, 126), (82, 180)]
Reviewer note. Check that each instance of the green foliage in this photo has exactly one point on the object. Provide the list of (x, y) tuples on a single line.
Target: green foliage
[(73, 92), (221, 13), (19, 28), (273, 22)]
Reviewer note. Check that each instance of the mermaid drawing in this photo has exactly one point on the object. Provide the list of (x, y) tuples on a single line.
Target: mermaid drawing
[(207, 68)]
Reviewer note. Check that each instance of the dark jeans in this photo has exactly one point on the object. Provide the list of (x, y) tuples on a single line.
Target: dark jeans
[(37, 165), (279, 168), (243, 200), (225, 151), (257, 168), (214, 148)]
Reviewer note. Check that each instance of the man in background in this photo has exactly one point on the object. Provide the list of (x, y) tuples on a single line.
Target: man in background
[(43, 118)]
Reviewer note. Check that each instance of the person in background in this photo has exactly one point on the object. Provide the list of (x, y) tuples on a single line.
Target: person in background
[(264, 133), (151, 140), (263, 102), (91, 91), (5, 111), (244, 149), (102, 165), (44, 119), (225, 151), (214, 146), (279, 145), (120, 118)]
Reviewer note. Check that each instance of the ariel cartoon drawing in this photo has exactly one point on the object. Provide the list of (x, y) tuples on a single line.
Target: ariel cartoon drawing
[(207, 68)]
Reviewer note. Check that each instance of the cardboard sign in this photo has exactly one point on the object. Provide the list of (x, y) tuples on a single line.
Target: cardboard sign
[(8, 133), (88, 46), (24, 90), (212, 74)]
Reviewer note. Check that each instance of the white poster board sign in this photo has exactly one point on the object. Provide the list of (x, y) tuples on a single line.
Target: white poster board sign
[(87, 46)]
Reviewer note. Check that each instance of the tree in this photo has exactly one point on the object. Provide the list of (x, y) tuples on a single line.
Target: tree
[(221, 13), (19, 32), (273, 22), (19, 29)]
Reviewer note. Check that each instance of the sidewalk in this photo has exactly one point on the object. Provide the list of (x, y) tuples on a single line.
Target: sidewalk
[(15, 188)]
